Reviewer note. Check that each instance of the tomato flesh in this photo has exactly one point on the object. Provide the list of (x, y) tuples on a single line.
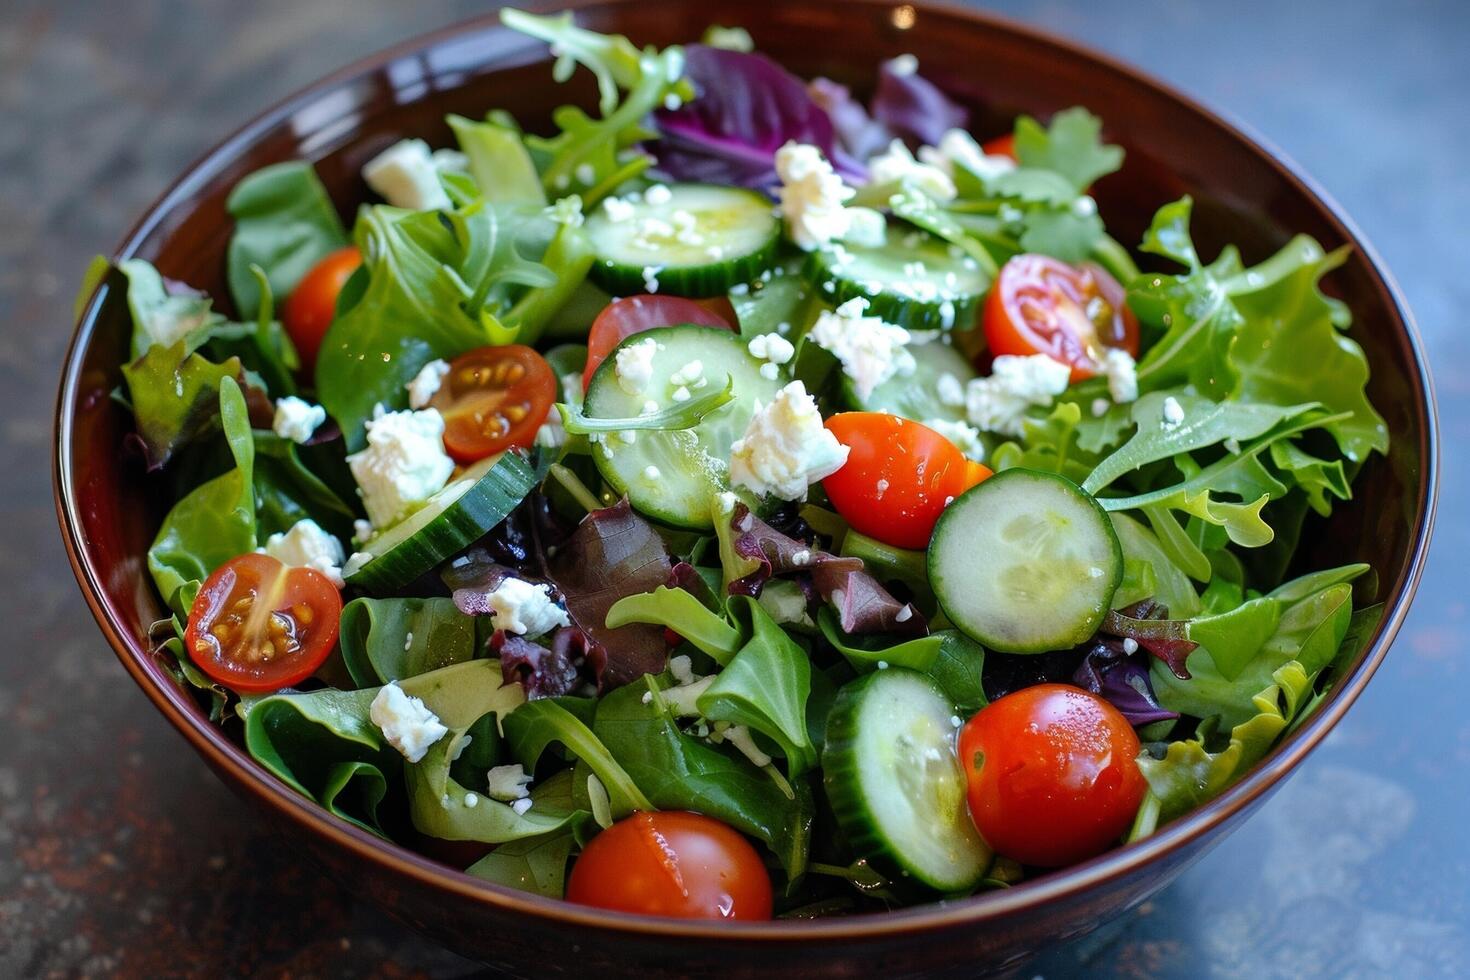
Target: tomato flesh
[(1001, 146), (257, 625), (675, 864), (634, 314), (494, 398), (313, 303), (898, 478), (1071, 313), (1052, 777)]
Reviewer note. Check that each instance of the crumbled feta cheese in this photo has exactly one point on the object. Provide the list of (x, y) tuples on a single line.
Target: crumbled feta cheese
[(998, 403), (658, 195), (471, 800), (740, 737), (296, 419), (1173, 412), (966, 438), (672, 101), (1130, 645), (1122, 374), (726, 501), (870, 350), (802, 557), (522, 806), (403, 465), (812, 196), (405, 176), (904, 615), (681, 394), (618, 209), (882, 665), (650, 277), (682, 668), (426, 383), (896, 165), (785, 448), (450, 161), (308, 546), (772, 348), (586, 174), (651, 473), (866, 227), (552, 434), (566, 211), (525, 608), (1100, 407), (361, 529), (681, 699), (950, 391), (958, 148), (1232, 446), (405, 722), (686, 228), (688, 374), (955, 721), (507, 783), (634, 365), (903, 65)]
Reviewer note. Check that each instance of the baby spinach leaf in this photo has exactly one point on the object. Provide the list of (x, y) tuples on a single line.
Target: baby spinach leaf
[(765, 687), (215, 521), (391, 639), (958, 669), (175, 395), (442, 808), (284, 223), (287, 490), (679, 772), (533, 864), (536, 725), (683, 613), (864, 653)]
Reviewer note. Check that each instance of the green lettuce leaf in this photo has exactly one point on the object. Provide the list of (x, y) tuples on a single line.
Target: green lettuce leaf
[(683, 613), (1071, 145), (537, 725), (175, 398), (392, 639), (499, 163), (284, 223), (533, 864)]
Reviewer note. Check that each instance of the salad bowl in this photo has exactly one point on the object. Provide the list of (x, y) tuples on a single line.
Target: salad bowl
[(1244, 192)]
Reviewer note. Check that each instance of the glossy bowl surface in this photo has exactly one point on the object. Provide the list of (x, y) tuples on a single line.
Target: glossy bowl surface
[(1245, 192)]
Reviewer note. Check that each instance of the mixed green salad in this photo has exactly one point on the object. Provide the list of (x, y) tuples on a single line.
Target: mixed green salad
[(740, 500)]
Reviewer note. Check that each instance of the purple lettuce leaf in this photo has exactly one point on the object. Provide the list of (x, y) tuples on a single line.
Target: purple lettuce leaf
[(1108, 670), (613, 553), (1145, 624), (863, 605), (912, 107), (775, 553), (747, 107), (857, 132), (544, 672)]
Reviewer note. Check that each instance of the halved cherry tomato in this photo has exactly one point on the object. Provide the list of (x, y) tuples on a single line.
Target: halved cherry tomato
[(313, 303), (494, 398), (635, 314), (1001, 146), (1052, 777), (898, 478), (675, 864), (1071, 313), (258, 625)]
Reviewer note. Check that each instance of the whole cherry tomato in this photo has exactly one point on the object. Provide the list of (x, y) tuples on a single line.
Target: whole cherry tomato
[(313, 303)]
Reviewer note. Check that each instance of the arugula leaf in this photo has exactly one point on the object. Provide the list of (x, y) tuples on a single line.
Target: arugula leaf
[(765, 687), (1070, 145), (392, 639), (536, 725), (215, 521), (679, 415), (284, 223)]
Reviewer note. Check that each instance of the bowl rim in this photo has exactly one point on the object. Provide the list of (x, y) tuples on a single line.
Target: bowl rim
[(224, 755)]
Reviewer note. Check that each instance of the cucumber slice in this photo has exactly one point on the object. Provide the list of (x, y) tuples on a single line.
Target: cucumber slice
[(671, 476), (451, 520), (698, 240), (914, 280), (1026, 562), (895, 785), (917, 396)]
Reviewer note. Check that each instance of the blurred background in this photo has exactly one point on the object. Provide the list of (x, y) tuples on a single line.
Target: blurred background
[(120, 854)]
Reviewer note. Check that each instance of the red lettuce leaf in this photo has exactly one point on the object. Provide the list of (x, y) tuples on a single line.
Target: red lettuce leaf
[(913, 108), (747, 108), (613, 553), (1108, 670), (544, 672), (1144, 623), (857, 132)]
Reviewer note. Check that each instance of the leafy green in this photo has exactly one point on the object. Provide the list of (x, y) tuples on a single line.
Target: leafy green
[(499, 163), (1234, 638), (284, 223), (262, 345), (765, 687), (175, 396), (392, 639), (532, 864), (683, 613), (1070, 145), (958, 670), (865, 653), (678, 415), (1171, 585), (163, 315), (679, 772), (287, 490), (531, 729), (215, 521)]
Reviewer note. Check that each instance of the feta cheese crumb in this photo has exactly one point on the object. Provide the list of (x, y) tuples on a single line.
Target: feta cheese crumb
[(688, 374), (361, 529), (1173, 412), (682, 668), (658, 195), (956, 722), (651, 473), (405, 722), (507, 783), (405, 176), (812, 196), (618, 209), (1122, 375), (903, 65), (306, 545), (1130, 645), (471, 800), (296, 419), (896, 165), (726, 501), (585, 173), (426, 383), (966, 438), (904, 615), (998, 403), (774, 349), (521, 806), (403, 464), (566, 211), (958, 148), (802, 557), (650, 277), (681, 394), (525, 608), (1100, 407), (682, 698), (634, 366), (882, 665), (950, 391), (354, 564), (785, 447), (866, 227), (871, 351)]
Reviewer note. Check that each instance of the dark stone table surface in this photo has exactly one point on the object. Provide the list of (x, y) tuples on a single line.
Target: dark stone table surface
[(121, 855)]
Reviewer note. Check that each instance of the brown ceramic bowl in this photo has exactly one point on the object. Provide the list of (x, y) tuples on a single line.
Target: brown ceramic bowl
[(1246, 193)]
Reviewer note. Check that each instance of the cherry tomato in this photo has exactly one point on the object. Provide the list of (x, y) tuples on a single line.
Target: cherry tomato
[(635, 314), (1072, 313), (258, 625), (898, 477), (313, 303), (675, 864), (1001, 146), (494, 398), (1052, 774)]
